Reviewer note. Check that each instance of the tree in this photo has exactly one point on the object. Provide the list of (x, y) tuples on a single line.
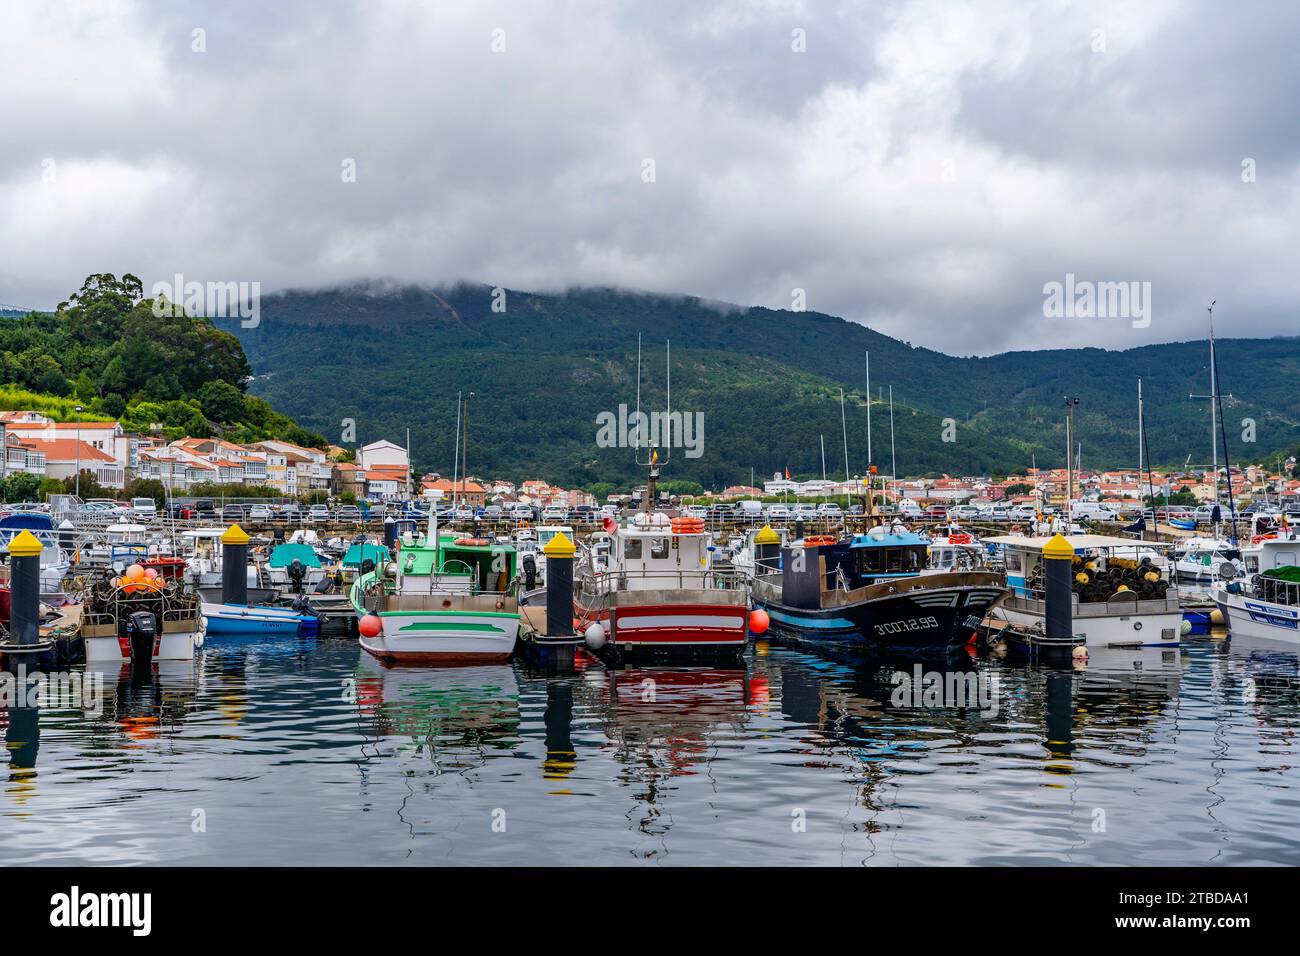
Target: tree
[(1020, 488), (113, 405), (222, 402), (21, 486)]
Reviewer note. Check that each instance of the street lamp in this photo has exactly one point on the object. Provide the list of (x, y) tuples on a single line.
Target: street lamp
[(78, 491)]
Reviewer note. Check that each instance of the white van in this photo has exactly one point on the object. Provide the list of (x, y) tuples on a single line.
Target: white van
[(144, 508), (1095, 511)]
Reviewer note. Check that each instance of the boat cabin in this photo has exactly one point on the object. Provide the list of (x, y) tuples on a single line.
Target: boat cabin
[(812, 565), (456, 565), (653, 552)]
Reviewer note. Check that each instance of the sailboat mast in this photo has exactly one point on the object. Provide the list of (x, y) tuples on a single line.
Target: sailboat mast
[(1214, 415)]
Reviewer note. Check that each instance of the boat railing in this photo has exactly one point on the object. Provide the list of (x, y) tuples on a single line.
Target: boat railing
[(1278, 590), (379, 600), (1035, 602), (707, 579)]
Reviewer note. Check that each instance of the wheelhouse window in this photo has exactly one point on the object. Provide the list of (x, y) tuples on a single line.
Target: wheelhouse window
[(632, 549), (658, 548)]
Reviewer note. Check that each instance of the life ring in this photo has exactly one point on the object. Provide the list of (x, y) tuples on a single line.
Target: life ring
[(959, 537), (471, 542), (819, 540)]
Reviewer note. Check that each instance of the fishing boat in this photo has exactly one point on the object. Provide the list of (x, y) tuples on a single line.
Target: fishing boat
[(357, 554), (1119, 599), (1201, 560), (447, 598), (873, 588), (653, 592), (1265, 605), (294, 568), (139, 619)]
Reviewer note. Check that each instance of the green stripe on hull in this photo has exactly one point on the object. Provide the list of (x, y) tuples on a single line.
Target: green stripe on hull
[(456, 613), (450, 626)]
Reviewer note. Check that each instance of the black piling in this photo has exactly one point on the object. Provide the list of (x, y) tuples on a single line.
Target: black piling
[(234, 566), (1058, 559), (25, 589)]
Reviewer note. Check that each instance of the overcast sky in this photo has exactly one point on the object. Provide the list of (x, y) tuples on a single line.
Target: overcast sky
[(924, 168)]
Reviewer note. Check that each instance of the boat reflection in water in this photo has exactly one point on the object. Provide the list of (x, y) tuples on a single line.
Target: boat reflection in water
[(442, 711), (666, 725)]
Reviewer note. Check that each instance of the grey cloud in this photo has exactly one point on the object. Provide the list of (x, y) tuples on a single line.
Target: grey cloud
[(924, 168)]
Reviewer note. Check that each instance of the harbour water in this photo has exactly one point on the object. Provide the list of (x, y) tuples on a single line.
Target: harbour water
[(305, 752)]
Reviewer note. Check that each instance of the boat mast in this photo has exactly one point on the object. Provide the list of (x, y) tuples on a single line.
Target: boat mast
[(455, 455), (893, 461), (868, 409), (1223, 434), (844, 427), (1070, 403)]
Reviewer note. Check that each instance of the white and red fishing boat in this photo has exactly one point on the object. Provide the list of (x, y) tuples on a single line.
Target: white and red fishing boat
[(655, 594)]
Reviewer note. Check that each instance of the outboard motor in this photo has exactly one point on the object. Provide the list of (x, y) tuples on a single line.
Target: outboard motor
[(141, 632), (296, 573), (529, 562)]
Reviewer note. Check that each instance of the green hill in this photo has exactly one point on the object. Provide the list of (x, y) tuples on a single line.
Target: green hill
[(766, 381), (106, 351)]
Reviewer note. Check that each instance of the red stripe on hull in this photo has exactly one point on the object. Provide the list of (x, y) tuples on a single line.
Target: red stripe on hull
[(676, 636), (416, 657)]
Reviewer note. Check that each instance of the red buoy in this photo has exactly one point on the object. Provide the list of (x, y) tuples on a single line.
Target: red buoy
[(370, 625), (758, 621)]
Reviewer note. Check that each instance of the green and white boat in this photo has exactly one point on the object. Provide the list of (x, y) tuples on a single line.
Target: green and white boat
[(445, 598)]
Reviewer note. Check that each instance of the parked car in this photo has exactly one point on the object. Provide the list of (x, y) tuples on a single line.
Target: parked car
[(964, 512), (554, 513), (259, 512), (347, 513), (205, 509), (695, 511), (778, 513), (181, 511), (318, 514), (830, 509), (939, 512), (144, 508), (493, 513)]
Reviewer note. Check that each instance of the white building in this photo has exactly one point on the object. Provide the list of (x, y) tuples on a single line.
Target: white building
[(106, 437), (382, 452)]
